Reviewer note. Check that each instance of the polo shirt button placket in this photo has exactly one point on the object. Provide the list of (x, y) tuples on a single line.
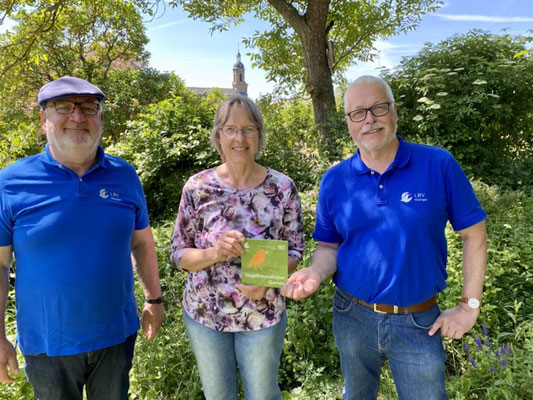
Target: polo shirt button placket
[(382, 194)]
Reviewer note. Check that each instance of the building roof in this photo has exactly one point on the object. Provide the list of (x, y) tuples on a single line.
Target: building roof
[(204, 90)]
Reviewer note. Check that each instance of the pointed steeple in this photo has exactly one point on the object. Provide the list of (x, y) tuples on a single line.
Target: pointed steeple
[(239, 84)]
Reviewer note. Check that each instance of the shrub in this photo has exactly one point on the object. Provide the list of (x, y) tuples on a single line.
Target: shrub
[(167, 144), (468, 94)]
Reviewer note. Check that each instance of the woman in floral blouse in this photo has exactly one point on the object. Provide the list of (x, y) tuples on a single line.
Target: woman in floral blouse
[(231, 325)]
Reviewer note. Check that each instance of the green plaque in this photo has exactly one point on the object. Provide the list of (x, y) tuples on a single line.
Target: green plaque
[(264, 262)]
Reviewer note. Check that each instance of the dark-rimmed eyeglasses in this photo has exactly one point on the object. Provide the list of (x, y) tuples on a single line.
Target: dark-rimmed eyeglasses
[(379, 110), (231, 131), (67, 107)]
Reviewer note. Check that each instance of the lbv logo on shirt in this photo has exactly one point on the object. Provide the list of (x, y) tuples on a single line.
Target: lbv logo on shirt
[(408, 197), (104, 194)]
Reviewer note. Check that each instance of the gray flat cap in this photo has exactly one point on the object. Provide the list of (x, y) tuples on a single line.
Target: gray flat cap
[(68, 86)]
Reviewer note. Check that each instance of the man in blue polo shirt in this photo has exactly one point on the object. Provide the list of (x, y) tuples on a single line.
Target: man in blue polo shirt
[(380, 228), (75, 219)]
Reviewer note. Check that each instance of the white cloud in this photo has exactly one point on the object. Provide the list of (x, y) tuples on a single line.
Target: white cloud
[(168, 24), (483, 18)]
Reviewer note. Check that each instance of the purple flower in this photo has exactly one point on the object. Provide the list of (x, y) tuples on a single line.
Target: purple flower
[(491, 370), (503, 362), (473, 363), (505, 350), (487, 343), (477, 341), (467, 349), (497, 353), (484, 329)]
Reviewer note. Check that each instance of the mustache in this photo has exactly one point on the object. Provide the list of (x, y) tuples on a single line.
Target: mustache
[(369, 128), (77, 126)]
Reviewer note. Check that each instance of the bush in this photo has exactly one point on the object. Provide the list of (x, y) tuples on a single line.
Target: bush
[(468, 94), (167, 144)]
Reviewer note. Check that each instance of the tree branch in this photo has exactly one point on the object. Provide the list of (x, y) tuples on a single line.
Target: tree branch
[(292, 16)]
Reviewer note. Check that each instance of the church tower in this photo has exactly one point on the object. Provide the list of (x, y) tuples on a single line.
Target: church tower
[(239, 84)]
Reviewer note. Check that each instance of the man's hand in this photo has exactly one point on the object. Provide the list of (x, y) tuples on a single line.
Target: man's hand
[(152, 319), (8, 356), (455, 322), (251, 291), (301, 284)]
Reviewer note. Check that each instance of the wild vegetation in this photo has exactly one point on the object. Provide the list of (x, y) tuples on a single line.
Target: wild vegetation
[(468, 94)]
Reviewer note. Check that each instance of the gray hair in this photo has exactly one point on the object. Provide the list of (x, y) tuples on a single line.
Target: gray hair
[(222, 116), (367, 80)]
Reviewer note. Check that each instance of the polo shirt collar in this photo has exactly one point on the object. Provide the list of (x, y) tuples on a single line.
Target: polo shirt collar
[(102, 161), (403, 155)]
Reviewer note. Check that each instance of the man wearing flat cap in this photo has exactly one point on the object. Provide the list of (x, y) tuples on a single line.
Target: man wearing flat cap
[(75, 219)]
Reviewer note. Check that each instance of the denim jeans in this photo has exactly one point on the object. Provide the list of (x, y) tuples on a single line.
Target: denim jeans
[(366, 338), (255, 353), (104, 372)]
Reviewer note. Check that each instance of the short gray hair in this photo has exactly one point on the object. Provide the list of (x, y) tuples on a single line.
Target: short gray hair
[(366, 80), (222, 116)]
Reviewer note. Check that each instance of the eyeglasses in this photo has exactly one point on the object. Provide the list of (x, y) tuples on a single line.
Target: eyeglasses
[(67, 107), (379, 110), (230, 131)]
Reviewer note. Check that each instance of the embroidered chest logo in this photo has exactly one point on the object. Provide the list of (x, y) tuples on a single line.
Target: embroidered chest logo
[(105, 194), (408, 197)]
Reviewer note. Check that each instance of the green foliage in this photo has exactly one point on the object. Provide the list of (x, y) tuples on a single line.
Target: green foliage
[(292, 142), (510, 235), (130, 91), (168, 143), (69, 37), (19, 138), (491, 370), (469, 95)]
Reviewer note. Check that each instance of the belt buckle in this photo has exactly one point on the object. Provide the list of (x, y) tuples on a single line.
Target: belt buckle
[(378, 311)]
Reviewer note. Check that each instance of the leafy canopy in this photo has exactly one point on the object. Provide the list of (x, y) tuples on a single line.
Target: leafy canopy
[(84, 38)]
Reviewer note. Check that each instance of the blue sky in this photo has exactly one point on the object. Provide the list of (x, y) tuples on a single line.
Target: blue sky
[(186, 47)]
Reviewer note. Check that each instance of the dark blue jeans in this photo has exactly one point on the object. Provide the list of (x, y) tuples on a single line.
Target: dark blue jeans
[(103, 372), (366, 338)]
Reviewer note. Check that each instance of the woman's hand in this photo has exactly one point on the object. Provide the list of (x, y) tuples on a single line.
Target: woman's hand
[(251, 291), (229, 244)]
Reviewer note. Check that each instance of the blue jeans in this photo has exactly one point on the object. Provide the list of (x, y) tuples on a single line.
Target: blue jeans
[(365, 338), (104, 372), (255, 353)]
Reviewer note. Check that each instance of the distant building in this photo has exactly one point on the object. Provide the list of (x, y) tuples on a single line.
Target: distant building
[(239, 85)]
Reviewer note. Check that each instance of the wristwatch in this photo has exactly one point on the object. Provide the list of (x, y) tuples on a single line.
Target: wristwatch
[(159, 300), (471, 302)]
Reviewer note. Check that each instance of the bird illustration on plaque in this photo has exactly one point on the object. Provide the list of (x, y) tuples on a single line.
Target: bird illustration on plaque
[(264, 262)]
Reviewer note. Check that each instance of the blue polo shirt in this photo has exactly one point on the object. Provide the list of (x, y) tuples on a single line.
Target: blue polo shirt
[(390, 227), (71, 237)]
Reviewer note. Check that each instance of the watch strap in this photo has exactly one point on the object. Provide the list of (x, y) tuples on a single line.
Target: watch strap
[(159, 300)]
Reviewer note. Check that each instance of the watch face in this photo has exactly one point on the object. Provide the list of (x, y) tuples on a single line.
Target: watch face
[(473, 303)]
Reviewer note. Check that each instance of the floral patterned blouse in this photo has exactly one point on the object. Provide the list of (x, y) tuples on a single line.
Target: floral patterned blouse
[(210, 207)]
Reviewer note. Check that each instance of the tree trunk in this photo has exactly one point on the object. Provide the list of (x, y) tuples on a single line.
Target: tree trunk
[(311, 29), (320, 86)]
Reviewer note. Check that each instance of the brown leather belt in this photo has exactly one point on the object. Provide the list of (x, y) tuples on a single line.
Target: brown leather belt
[(388, 309)]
